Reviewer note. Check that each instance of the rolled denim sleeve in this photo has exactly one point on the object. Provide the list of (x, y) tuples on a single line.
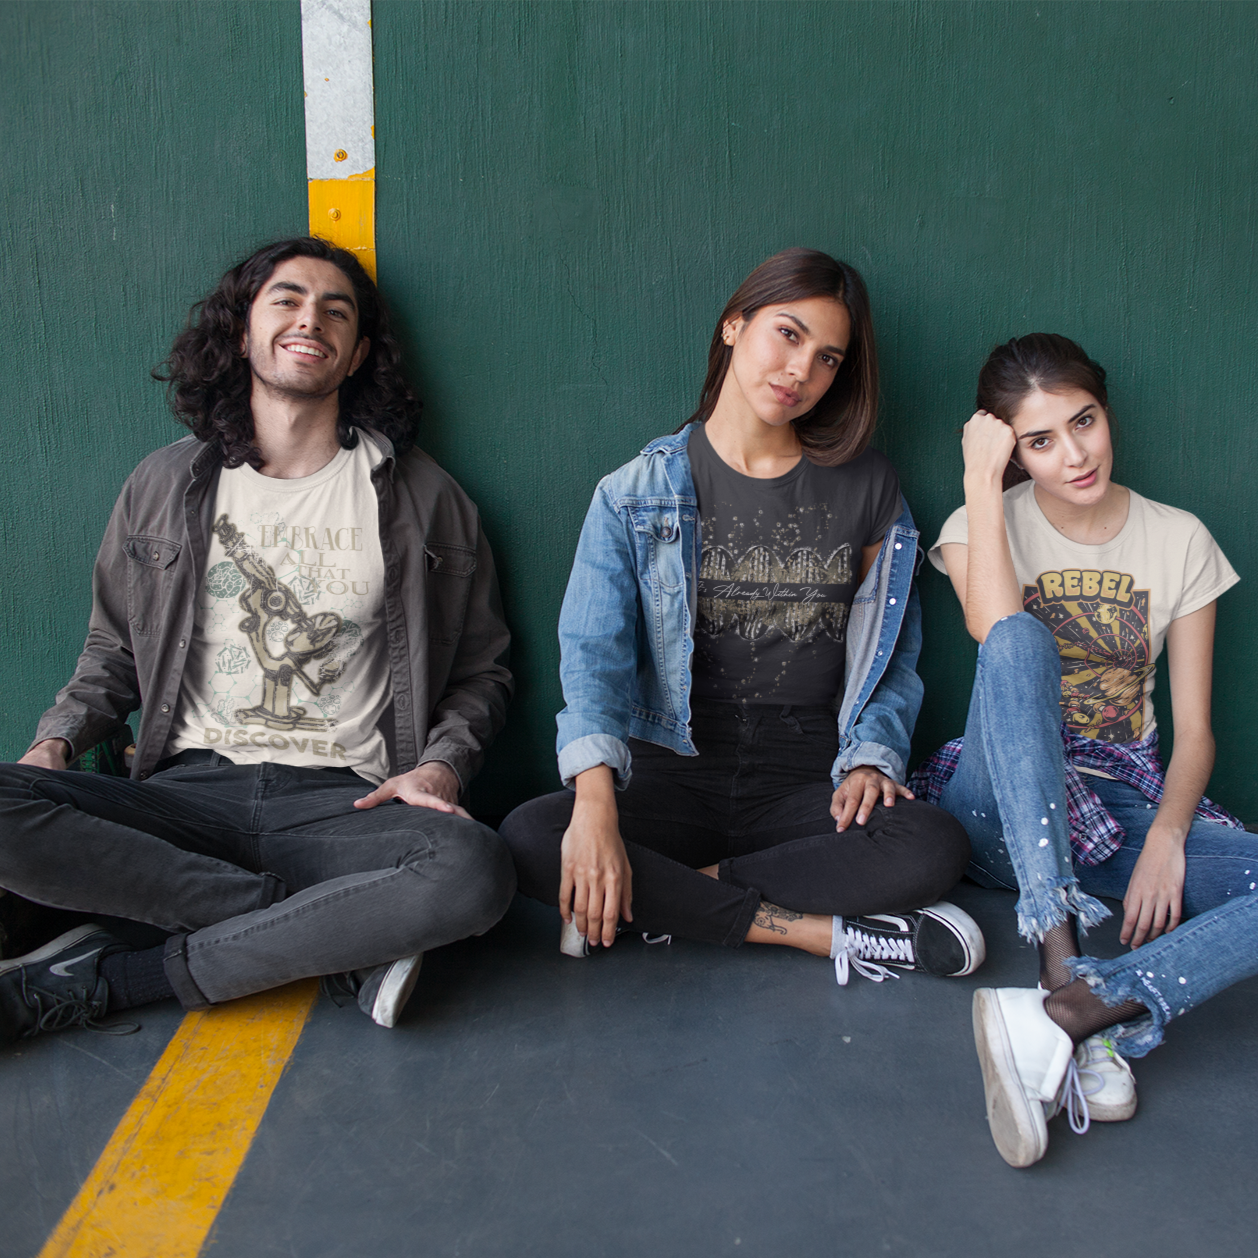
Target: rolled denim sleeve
[(598, 632), (884, 729)]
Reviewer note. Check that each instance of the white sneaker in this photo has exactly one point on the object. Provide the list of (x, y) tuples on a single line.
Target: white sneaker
[(1028, 1066), (571, 942), (381, 992), (1109, 1087)]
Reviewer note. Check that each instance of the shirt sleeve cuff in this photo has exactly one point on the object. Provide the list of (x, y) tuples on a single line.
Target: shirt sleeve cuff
[(868, 756), (594, 749)]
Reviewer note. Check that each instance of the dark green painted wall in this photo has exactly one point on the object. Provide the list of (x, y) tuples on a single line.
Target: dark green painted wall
[(146, 146), (567, 194)]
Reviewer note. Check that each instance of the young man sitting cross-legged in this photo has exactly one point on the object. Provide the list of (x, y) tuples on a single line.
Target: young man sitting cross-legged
[(306, 608)]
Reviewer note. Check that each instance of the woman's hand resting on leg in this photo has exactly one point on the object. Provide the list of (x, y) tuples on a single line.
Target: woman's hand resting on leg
[(858, 794), (596, 884), (1155, 892)]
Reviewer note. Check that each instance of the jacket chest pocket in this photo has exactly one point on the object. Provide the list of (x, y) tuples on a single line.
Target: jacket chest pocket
[(449, 576), (150, 575), (658, 535)]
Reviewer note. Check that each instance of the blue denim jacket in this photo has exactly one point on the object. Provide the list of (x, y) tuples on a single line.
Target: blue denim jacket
[(626, 631)]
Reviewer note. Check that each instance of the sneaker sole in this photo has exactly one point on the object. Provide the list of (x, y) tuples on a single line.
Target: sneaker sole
[(1112, 1113), (966, 929), (396, 990), (1118, 1111), (1017, 1124), (50, 949)]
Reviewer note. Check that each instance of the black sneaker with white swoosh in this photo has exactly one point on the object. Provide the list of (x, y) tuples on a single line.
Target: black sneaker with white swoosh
[(58, 986)]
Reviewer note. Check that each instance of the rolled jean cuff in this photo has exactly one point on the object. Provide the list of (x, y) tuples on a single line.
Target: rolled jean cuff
[(175, 962), (1041, 908), (1116, 982), (746, 912)]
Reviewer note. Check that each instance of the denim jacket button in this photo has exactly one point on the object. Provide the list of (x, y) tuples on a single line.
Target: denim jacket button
[(891, 601), (899, 545)]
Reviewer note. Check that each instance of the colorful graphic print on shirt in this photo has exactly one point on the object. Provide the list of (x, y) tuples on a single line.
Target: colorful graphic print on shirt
[(1101, 625)]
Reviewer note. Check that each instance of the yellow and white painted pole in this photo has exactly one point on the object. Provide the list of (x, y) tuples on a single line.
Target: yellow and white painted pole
[(164, 1175), (340, 124)]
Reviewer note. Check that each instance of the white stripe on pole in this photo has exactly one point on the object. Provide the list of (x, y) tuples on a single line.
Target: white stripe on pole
[(340, 110)]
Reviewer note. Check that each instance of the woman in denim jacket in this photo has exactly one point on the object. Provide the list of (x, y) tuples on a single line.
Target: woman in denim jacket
[(736, 588), (1071, 583)]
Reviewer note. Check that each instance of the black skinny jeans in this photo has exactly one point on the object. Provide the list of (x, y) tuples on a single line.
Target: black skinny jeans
[(756, 802), (186, 850)]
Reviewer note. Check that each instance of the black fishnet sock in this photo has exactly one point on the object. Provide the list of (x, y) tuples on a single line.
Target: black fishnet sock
[(1059, 941), (1080, 1012)]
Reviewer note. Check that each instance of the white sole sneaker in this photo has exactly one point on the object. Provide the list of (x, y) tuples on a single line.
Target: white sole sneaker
[(1024, 1057), (394, 991), (966, 932), (1112, 1097), (571, 942)]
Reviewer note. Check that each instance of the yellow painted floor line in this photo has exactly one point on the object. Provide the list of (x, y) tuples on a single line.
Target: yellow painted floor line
[(159, 1185)]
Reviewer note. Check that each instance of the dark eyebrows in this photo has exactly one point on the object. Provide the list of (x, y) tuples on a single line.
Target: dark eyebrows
[(807, 331), (288, 286), (1047, 432)]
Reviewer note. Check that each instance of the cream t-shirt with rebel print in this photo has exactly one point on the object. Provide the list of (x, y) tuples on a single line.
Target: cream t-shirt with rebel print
[(287, 661), (1108, 606)]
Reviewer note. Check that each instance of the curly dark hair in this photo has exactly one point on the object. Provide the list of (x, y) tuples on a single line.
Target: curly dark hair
[(209, 383)]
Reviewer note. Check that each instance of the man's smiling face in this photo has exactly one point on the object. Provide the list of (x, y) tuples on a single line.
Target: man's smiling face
[(302, 339)]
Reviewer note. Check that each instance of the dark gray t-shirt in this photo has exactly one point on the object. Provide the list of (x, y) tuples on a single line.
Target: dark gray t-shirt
[(780, 566)]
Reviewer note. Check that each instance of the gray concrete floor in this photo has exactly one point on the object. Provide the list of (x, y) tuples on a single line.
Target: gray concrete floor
[(660, 1101)]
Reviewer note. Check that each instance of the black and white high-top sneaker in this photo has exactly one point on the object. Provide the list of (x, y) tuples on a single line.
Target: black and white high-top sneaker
[(941, 939)]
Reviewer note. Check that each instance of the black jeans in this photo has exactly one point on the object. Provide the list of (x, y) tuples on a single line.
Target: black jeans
[(756, 802), (266, 873)]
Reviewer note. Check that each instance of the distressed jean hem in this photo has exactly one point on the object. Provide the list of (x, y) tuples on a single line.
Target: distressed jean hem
[(1131, 1039), (1042, 909)]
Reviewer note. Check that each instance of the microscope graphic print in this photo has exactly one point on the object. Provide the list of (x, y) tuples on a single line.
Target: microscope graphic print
[(289, 645)]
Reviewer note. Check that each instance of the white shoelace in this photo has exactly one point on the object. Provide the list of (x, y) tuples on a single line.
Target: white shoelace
[(1074, 1097), (850, 946)]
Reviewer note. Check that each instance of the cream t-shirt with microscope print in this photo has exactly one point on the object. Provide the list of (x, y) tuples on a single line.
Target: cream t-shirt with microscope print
[(287, 661)]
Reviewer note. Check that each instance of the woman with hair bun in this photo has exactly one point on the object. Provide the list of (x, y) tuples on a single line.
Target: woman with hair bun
[(738, 643), (1071, 584)]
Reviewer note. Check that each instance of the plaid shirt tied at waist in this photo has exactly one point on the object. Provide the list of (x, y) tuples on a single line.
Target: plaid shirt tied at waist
[(1094, 835)]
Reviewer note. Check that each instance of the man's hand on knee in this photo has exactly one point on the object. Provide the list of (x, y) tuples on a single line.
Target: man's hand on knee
[(433, 785), (52, 753)]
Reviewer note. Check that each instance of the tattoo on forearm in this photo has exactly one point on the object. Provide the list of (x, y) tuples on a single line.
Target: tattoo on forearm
[(771, 916)]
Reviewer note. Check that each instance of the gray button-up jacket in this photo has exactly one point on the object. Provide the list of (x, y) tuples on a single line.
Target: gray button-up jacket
[(447, 640)]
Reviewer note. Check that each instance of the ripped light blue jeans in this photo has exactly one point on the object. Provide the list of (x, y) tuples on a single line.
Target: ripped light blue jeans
[(1009, 793)]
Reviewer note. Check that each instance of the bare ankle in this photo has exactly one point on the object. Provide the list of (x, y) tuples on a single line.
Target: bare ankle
[(809, 932)]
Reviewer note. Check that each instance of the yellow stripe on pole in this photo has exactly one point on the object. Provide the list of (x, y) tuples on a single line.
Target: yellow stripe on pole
[(157, 1188), (344, 212)]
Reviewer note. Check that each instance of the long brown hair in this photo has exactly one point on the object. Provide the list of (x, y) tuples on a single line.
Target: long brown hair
[(838, 428), (1041, 362), (209, 383)]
